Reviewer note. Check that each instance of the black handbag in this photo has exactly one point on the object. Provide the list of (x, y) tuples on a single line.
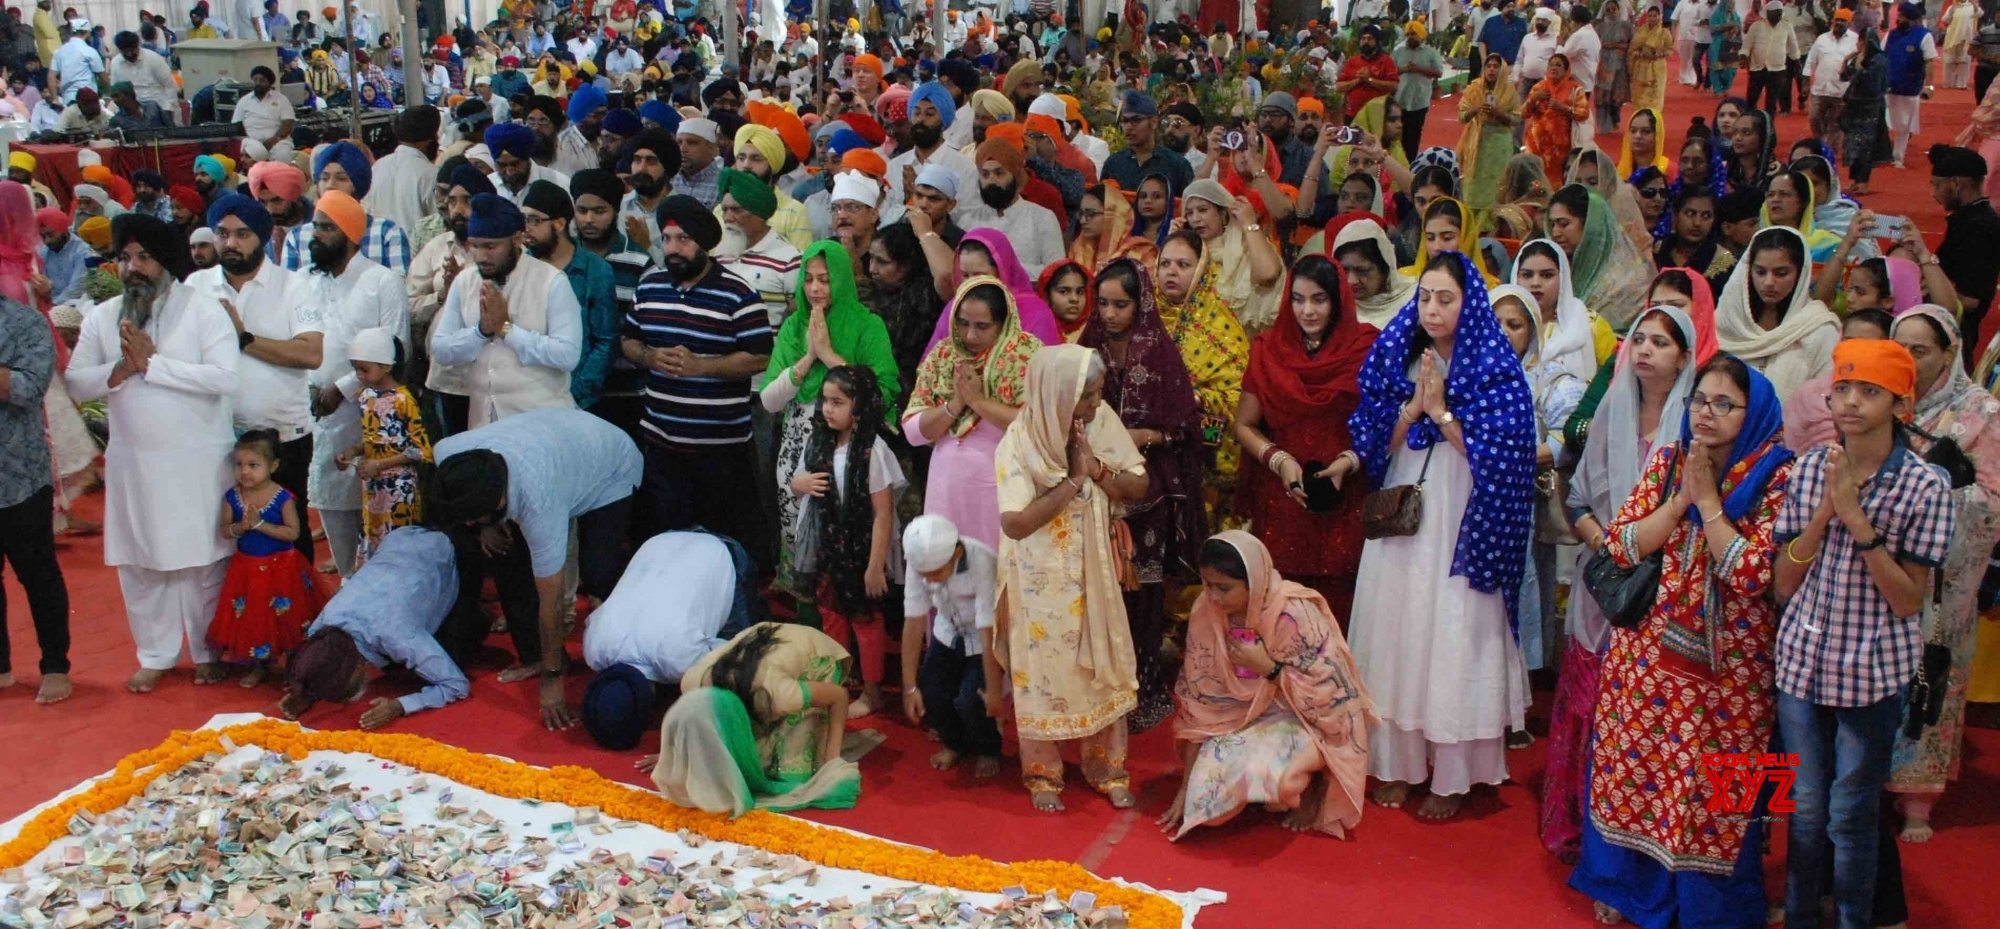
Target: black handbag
[(1625, 595), (1395, 511), (1925, 702), (1946, 453)]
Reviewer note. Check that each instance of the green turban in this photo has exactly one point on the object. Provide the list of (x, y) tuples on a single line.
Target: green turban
[(750, 193)]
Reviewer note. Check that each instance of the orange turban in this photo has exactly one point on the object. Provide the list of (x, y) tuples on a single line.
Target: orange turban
[(1882, 362), (787, 125), (1311, 105), (1073, 111), (868, 63), (867, 161), (1036, 122), (345, 212)]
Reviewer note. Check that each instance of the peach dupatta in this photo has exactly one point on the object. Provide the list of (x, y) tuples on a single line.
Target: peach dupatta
[(1319, 683)]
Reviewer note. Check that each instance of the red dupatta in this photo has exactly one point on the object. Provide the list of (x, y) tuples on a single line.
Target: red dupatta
[(1292, 384)]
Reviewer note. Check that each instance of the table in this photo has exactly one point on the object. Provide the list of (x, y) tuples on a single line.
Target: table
[(56, 165)]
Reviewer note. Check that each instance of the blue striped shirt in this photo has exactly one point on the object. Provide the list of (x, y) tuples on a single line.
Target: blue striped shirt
[(718, 315)]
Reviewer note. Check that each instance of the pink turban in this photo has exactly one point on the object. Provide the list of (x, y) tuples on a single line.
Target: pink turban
[(283, 179)]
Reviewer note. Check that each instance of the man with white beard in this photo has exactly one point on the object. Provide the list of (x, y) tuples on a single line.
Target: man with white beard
[(163, 358), (352, 293)]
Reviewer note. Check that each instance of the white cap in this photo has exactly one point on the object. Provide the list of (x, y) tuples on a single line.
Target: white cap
[(79, 24), (254, 150), (1050, 105), (202, 236), (483, 80), (939, 178), (701, 128), (856, 186), (929, 542), (481, 154), (377, 345), (87, 156), (92, 192)]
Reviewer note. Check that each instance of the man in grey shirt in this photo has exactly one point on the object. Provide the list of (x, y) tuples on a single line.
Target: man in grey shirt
[(509, 490)]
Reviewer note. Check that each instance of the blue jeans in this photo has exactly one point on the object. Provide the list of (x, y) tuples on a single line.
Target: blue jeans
[(1844, 755)]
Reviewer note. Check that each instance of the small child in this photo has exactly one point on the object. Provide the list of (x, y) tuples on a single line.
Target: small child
[(949, 589), (268, 595), (393, 440), (857, 520)]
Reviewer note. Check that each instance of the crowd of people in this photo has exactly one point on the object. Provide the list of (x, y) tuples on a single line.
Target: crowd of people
[(1104, 377)]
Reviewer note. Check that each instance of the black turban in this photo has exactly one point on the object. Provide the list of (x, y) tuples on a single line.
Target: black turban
[(466, 488), (660, 142), (1953, 161), (472, 179), (548, 199), (449, 167), (693, 218), (159, 238), (547, 106), (599, 183)]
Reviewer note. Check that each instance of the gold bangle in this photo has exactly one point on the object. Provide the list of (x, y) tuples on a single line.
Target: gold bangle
[(1795, 559)]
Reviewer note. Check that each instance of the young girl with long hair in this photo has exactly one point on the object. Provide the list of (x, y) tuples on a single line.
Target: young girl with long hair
[(852, 479)]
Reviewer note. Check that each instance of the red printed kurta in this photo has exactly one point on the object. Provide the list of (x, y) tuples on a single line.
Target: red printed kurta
[(1655, 719)]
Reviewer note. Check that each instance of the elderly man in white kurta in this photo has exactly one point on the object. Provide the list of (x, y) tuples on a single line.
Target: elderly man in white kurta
[(163, 358), (353, 293)]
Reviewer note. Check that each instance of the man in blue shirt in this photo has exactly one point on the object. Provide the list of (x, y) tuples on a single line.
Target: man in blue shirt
[(64, 255), (548, 210), (1143, 154), (509, 490), (390, 612), (1912, 52), (1501, 35)]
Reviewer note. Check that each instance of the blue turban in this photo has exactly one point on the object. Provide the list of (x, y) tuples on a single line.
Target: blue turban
[(472, 179), (621, 123), (494, 217), (246, 210), (352, 160), (845, 140), (207, 164), (618, 707), (658, 111), (511, 138), (938, 96), (585, 100)]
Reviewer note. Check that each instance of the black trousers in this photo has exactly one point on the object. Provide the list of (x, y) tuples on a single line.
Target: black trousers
[(1413, 129), (601, 557), (1772, 83), (1982, 77), (1795, 81), (454, 412), (294, 464), (951, 681), (710, 487), (28, 544)]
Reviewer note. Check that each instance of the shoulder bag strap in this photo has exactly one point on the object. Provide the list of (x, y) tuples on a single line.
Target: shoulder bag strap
[(1426, 469)]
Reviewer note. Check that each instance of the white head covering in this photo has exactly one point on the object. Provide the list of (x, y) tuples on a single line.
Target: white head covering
[(254, 150), (1738, 332), (704, 129), (481, 154), (87, 157), (377, 345), (944, 179), (1050, 105), (856, 186), (1573, 345), (929, 542), (93, 193), (202, 236)]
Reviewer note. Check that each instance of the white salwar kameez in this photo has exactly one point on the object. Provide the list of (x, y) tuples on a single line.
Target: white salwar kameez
[(364, 296), (1438, 657), (165, 468)]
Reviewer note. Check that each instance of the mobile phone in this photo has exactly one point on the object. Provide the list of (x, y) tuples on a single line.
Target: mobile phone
[(1245, 636), (1889, 227), (1232, 141), (1492, 100), (1346, 135)]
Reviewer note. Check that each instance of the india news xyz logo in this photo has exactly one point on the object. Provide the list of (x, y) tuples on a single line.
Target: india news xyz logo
[(1736, 779)]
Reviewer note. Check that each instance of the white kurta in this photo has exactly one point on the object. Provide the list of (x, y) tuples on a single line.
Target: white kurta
[(668, 609), (167, 463), (1439, 660), (364, 296)]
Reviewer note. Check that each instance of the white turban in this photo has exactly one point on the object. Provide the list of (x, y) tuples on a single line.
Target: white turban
[(856, 186), (93, 193), (202, 236), (929, 541), (377, 345)]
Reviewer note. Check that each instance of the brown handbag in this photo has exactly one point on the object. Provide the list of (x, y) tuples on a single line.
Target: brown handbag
[(1394, 511)]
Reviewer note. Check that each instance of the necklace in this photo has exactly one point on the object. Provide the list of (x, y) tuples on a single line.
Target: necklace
[(1312, 345)]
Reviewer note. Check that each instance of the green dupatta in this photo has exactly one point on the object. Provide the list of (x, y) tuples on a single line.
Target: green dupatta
[(858, 335)]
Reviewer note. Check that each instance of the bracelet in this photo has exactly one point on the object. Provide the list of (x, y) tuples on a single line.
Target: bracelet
[(1279, 459), (259, 524), (1794, 556), (1264, 457), (1073, 482), (1718, 515)]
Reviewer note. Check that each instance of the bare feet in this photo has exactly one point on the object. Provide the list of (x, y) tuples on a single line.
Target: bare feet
[(1121, 798), (1915, 831), (55, 689), (943, 759), (1306, 817), (1606, 915), (1438, 809), (647, 762), (519, 672), (1048, 801), (82, 528), (985, 767), (144, 680), (6, 679), (1391, 794), (256, 676), (859, 708), (210, 672)]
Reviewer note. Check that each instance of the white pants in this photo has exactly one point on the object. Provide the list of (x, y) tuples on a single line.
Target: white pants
[(1452, 768), (1903, 122), (343, 537), (1686, 49), (165, 607)]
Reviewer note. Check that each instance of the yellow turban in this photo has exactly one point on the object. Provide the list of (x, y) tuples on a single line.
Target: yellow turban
[(993, 103), (1416, 28), (95, 232), (22, 160), (767, 143), (1025, 69)]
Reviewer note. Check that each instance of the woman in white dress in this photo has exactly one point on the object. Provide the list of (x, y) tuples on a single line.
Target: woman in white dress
[(1445, 404)]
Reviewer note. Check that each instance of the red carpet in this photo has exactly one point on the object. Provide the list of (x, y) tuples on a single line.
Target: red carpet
[(1486, 869)]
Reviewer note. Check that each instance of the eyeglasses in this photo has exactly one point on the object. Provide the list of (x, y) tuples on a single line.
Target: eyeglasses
[(1718, 406), (1652, 193), (848, 206)]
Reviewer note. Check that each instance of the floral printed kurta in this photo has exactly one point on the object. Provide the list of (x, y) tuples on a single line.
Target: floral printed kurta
[(391, 425), (1649, 791)]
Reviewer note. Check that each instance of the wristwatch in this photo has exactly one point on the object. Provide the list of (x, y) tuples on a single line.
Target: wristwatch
[(1872, 544), (1447, 419), (244, 338)]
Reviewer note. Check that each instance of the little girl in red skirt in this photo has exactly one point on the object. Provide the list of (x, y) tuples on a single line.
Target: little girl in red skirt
[(268, 595)]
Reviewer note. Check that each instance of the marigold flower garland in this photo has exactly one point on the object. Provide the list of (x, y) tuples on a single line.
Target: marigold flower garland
[(577, 786)]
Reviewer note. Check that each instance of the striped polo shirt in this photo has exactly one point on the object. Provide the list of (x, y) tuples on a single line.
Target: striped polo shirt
[(718, 314), (628, 265)]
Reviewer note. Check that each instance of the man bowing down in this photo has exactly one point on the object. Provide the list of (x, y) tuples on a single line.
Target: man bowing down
[(164, 358)]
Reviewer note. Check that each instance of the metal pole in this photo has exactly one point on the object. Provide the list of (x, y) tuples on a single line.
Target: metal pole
[(412, 52), (938, 48), (731, 42), (353, 92)]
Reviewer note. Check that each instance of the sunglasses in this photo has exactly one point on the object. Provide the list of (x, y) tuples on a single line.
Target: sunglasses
[(1652, 193)]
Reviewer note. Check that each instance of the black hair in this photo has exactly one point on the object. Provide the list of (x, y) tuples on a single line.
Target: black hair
[(1322, 271), (1672, 277), (465, 488), (1541, 247), (1691, 193), (1771, 239), (1450, 208), (1877, 270), (735, 670), (1580, 15), (262, 441), (1564, 57), (1365, 249), (1729, 366), (1801, 185), (1434, 176), (1450, 263), (1739, 205), (977, 246), (1574, 198), (846, 513), (1880, 319), (1647, 173), (1124, 271), (1222, 558), (265, 71), (993, 296)]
